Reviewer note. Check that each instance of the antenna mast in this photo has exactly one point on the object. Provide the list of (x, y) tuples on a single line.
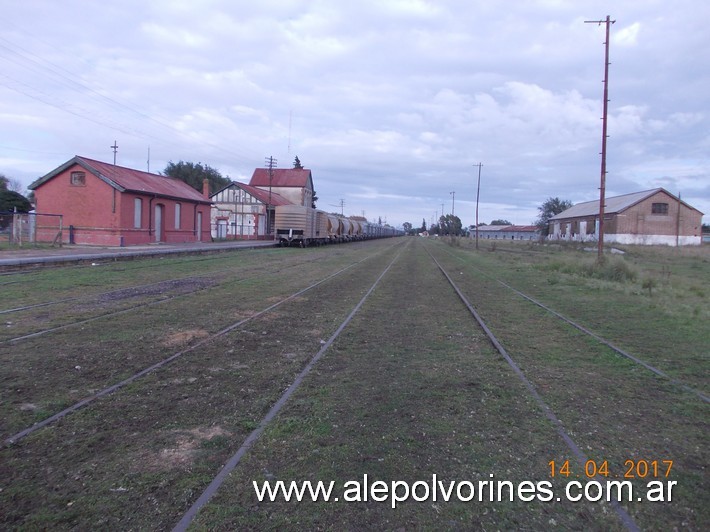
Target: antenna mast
[(115, 149)]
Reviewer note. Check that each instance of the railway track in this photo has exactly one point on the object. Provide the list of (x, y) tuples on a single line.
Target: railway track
[(611, 345), (187, 284), (379, 370), (194, 345)]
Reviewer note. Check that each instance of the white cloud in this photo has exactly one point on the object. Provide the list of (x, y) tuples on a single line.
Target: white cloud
[(627, 36), (390, 103)]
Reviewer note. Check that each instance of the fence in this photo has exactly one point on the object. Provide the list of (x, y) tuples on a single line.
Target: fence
[(29, 228)]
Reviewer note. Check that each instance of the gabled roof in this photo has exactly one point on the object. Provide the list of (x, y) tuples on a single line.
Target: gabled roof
[(613, 205), (259, 193), (282, 177), (128, 180)]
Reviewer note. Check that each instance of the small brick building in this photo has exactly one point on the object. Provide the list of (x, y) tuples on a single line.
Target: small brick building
[(108, 205), (649, 217)]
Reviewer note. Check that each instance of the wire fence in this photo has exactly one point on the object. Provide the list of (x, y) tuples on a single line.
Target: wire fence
[(30, 228)]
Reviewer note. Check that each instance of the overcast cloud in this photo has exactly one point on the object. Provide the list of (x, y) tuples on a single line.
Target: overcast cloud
[(390, 103)]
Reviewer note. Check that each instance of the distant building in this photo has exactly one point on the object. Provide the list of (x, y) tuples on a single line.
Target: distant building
[(506, 232), (293, 184), (239, 211), (649, 217), (247, 211), (108, 205)]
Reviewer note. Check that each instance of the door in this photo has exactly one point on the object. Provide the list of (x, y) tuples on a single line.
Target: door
[(221, 229), (199, 227), (159, 231)]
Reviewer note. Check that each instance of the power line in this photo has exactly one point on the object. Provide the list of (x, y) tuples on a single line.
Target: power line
[(63, 77)]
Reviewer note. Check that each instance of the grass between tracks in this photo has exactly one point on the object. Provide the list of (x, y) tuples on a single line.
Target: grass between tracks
[(411, 389)]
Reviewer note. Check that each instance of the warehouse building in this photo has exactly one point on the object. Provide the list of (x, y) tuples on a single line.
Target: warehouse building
[(650, 217)]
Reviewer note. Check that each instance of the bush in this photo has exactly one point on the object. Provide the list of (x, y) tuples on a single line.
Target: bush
[(614, 269)]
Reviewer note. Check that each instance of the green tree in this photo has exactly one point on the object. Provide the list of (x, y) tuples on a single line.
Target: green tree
[(9, 200), (407, 227), (548, 209), (297, 164), (193, 174), (9, 183), (423, 225), (450, 224), (501, 222), (313, 201)]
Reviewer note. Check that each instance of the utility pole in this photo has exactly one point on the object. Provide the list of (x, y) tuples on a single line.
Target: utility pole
[(602, 186), (115, 149), (453, 197), (270, 164), (478, 190)]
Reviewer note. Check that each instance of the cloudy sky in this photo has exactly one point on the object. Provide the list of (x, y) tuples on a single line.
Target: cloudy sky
[(391, 103)]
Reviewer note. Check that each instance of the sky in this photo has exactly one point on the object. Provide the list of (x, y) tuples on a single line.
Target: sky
[(392, 104)]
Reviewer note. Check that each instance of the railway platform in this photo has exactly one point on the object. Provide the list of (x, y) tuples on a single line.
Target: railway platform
[(29, 256)]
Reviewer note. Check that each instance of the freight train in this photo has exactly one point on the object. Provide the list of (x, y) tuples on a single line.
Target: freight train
[(298, 225)]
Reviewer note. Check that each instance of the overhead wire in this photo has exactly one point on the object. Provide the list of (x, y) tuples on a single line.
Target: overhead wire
[(39, 66)]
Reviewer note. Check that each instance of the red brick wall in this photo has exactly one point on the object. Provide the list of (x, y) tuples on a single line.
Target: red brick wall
[(101, 215)]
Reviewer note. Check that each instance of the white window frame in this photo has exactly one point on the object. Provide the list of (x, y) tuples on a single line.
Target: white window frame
[(137, 213)]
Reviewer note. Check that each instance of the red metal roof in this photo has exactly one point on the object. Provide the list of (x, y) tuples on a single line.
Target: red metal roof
[(126, 179), (282, 177)]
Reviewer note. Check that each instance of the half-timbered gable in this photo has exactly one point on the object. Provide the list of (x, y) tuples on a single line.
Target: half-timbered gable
[(239, 211)]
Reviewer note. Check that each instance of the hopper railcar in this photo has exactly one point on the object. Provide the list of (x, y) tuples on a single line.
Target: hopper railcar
[(299, 225)]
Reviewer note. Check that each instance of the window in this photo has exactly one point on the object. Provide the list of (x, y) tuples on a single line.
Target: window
[(78, 179), (659, 208), (177, 216), (137, 212)]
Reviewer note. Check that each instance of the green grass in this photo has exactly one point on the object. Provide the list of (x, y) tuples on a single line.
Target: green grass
[(412, 388)]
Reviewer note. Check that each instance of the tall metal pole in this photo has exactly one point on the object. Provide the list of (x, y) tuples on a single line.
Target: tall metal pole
[(453, 197), (478, 191), (602, 186)]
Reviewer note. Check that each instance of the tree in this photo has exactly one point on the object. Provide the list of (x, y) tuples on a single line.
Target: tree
[(297, 164), (193, 174), (548, 209), (450, 224), (313, 201), (407, 227), (9, 200), (501, 222), (423, 225), (8, 183)]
